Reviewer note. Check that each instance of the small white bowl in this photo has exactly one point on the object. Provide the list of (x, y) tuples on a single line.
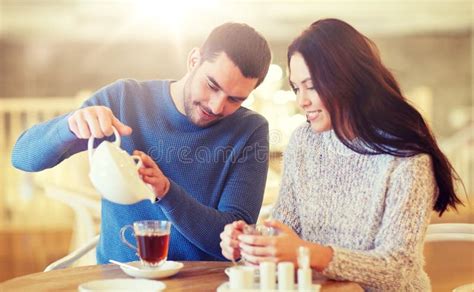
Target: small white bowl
[(256, 272), (167, 269), (111, 285)]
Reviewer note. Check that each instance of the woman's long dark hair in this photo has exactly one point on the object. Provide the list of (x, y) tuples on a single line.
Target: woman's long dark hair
[(364, 100)]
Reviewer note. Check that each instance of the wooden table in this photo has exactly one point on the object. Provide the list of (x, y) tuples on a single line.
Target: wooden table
[(195, 276)]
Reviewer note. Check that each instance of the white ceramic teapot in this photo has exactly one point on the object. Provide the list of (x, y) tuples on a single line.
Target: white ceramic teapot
[(113, 172)]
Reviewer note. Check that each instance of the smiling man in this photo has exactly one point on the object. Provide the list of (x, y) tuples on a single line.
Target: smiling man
[(204, 155)]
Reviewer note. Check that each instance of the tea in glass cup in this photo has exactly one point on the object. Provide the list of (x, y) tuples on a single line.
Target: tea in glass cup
[(152, 238)]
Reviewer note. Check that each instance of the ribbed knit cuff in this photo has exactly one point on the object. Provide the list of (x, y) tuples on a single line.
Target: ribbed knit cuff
[(64, 133), (169, 202), (335, 265)]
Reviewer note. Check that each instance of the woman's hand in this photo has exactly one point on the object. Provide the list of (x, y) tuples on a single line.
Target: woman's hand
[(283, 247), (152, 175), (229, 242)]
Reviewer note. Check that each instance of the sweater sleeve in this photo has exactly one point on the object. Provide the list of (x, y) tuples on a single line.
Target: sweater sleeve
[(48, 143), (241, 198), (45, 145), (399, 242), (285, 207)]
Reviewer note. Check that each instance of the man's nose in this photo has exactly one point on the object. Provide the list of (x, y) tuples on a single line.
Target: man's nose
[(217, 104)]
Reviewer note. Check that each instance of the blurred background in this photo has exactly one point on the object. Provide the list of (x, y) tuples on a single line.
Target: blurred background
[(54, 54)]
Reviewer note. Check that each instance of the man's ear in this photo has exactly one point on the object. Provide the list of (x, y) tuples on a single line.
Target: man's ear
[(194, 58)]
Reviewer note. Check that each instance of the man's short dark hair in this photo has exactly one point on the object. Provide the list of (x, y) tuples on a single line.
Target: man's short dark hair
[(244, 46)]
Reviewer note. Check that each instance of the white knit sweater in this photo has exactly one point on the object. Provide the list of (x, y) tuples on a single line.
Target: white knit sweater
[(373, 210)]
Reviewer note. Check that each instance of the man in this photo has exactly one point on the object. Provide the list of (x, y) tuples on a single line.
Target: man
[(204, 155)]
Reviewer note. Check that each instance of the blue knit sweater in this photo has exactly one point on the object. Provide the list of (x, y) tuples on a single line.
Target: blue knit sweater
[(217, 173)]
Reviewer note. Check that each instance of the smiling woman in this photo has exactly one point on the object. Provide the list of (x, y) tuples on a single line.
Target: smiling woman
[(360, 178), (309, 100)]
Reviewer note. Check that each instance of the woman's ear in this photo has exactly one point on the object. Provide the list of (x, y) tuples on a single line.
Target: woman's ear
[(194, 58)]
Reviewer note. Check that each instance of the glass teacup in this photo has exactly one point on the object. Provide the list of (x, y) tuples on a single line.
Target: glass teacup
[(259, 230), (152, 238)]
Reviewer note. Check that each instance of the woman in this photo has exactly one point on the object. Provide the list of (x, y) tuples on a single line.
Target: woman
[(361, 178)]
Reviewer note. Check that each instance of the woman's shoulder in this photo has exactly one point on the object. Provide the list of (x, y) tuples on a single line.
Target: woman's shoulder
[(411, 165)]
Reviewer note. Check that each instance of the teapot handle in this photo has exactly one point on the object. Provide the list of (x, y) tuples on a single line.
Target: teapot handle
[(124, 239), (138, 161), (90, 143)]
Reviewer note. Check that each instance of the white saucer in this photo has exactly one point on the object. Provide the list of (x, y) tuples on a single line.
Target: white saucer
[(167, 269), (122, 285)]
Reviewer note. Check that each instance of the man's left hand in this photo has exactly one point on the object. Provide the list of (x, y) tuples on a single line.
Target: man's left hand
[(152, 175)]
